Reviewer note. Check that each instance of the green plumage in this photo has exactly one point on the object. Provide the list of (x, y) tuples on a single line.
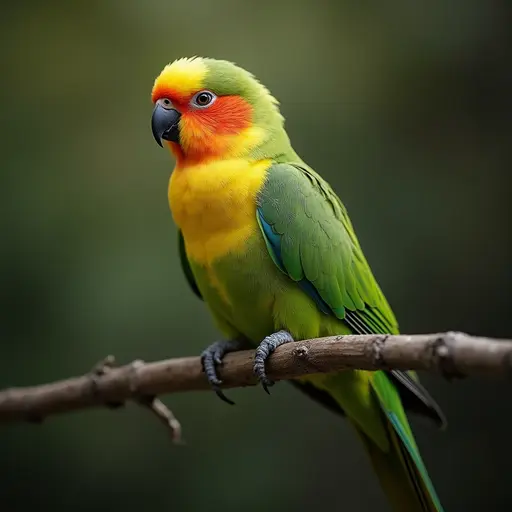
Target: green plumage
[(304, 271), (317, 244)]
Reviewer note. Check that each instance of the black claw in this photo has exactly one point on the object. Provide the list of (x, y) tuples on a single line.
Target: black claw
[(267, 383), (210, 358), (222, 396), (265, 348)]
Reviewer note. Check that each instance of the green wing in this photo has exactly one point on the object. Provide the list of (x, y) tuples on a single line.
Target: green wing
[(311, 239)]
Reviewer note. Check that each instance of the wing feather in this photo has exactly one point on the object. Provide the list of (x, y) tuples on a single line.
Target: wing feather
[(310, 238)]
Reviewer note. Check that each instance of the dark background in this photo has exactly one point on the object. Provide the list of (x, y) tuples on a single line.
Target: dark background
[(404, 106)]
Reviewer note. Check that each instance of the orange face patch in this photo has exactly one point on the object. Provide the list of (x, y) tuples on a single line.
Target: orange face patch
[(207, 132), (228, 115), (212, 132)]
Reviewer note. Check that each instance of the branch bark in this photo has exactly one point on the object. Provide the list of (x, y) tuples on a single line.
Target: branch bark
[(451, 354)]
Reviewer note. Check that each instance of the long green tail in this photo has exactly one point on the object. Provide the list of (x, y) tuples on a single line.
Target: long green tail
[(401, 471)]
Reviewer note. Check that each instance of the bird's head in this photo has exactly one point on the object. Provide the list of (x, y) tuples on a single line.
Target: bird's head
[(210, 109)]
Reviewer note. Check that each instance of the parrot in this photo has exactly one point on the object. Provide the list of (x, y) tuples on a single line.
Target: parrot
[(268, 246)]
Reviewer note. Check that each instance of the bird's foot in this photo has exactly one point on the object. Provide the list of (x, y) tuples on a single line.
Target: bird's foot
[(265, 348), (211, 358)]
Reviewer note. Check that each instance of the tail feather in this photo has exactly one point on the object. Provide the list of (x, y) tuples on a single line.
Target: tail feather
[(413, 460), (372, 404), (400, 478)]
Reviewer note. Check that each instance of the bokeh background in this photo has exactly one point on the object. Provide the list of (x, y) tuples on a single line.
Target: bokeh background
[(404, 106)]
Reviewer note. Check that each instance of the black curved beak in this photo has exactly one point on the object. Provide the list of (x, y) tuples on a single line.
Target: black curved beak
[(165, 124)]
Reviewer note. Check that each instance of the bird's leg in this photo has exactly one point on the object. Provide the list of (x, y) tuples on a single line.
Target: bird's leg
[(211, 357), (265, 348)]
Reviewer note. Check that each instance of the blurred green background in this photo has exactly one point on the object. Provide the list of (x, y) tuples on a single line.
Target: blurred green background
[(404, 106)]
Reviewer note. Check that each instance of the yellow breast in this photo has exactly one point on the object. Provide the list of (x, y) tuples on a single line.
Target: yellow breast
[(214, 205)]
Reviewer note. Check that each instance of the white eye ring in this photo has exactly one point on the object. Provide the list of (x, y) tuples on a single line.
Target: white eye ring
[(203, 99), (165, 103)]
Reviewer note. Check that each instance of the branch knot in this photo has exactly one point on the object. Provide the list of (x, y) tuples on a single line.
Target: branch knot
[(301, 352), (442, 355), (377, 348)]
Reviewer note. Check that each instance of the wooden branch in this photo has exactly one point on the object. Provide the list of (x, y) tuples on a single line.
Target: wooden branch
[(451, 354)]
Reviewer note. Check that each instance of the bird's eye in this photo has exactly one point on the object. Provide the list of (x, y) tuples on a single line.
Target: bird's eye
[(165, 103), (203, 99)]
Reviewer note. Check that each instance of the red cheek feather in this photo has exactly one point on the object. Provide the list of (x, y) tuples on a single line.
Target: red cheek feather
[(212, 128), (228, 115)]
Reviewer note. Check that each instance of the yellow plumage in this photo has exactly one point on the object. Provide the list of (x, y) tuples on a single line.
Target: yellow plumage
[(186, 75), (214, 204)]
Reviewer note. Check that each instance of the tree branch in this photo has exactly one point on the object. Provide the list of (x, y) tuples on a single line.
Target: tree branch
[(450, 354)]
